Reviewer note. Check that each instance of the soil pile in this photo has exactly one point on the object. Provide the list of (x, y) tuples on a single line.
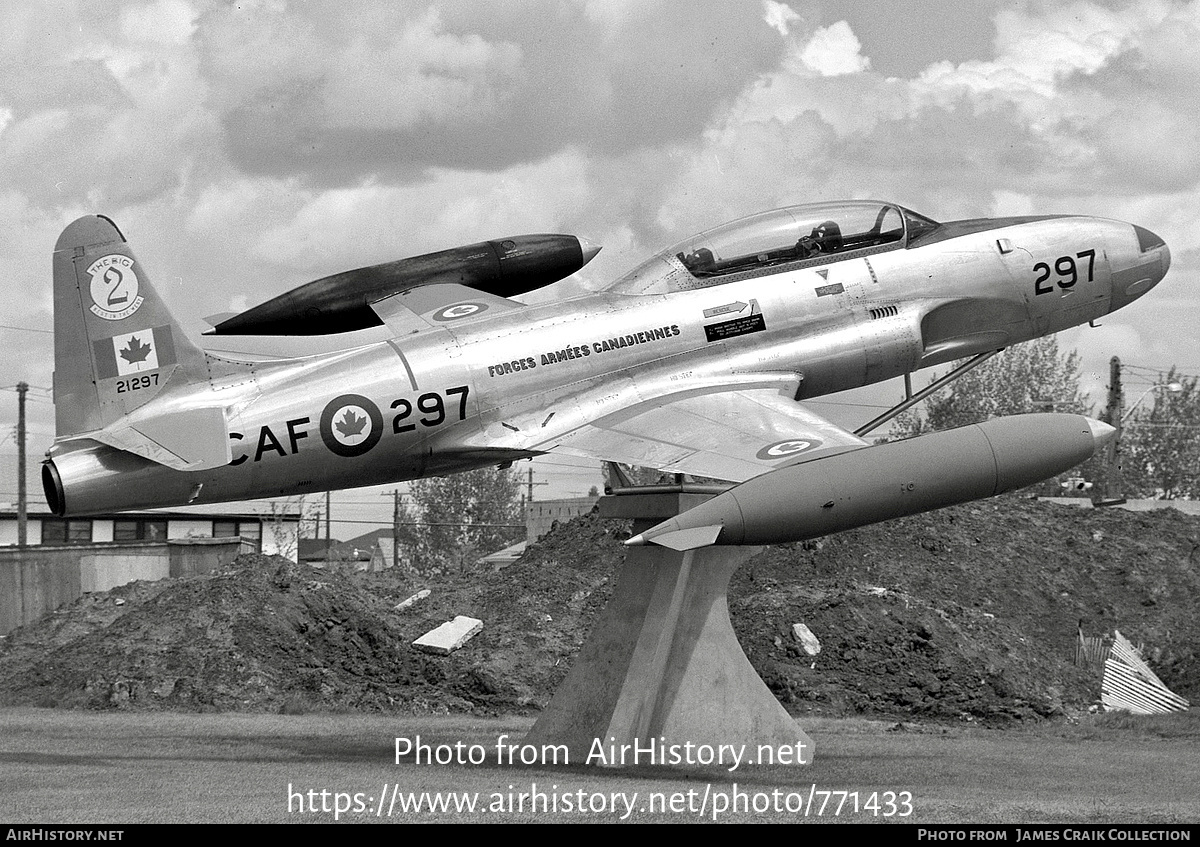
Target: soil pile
[(263, 634), (968, 613)]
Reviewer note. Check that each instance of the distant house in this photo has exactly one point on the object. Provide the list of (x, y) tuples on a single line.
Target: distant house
[(360, 549), (540, 515), (505, 557), (272, 534), (373, 550)]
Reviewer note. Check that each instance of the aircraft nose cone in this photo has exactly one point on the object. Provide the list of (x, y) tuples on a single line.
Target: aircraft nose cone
[(1102, 433), (1151, 243), (588, 248), (1139, 271)]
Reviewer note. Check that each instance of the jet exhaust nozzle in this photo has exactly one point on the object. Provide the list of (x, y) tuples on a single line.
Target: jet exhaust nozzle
[(91, 478)]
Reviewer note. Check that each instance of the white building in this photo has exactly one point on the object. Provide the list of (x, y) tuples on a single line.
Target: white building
[(275, 533)]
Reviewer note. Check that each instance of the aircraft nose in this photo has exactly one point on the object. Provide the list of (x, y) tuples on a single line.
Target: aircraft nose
[(1152, 244), (1139, 265)]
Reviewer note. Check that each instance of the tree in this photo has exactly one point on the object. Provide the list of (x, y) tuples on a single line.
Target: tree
[(462, 517), (283, 539), (1160, 453), (1030, 377)]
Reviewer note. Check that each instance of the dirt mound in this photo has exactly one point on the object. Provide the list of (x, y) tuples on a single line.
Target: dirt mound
[(265, 634), (966, 613), (972, 612)]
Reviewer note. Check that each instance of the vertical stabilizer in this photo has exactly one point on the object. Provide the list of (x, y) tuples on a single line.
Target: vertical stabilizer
[(116, 346)]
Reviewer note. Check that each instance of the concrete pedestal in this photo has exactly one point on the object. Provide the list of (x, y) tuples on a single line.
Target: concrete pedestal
[(662, 665)]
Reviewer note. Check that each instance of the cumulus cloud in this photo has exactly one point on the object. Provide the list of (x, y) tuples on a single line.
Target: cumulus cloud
[(1076, 97), (353, 226), (424, 75), (1038, 48), (779, 16), (298, 139), (294, 91), (833, 51), (160, 22), (340, 93)]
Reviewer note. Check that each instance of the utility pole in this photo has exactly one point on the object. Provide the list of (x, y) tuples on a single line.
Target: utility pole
[(1114, 483), (395, 530), (395, 492), (328, 536), (22, 505), (529, 485), (527, 498)]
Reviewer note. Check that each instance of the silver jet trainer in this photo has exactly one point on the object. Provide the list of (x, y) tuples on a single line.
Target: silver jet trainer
[(694, 362)]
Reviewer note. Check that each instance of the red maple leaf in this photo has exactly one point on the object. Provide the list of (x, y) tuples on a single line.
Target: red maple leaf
[(135, 351), (351, 424)]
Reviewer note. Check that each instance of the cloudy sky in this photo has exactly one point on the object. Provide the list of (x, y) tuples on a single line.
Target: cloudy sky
[(245, 148)]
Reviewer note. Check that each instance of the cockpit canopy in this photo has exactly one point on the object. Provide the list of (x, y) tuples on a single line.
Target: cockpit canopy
[(815, 234), (803, 236)]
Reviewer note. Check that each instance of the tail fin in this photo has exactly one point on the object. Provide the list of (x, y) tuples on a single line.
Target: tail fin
[(116, 346)]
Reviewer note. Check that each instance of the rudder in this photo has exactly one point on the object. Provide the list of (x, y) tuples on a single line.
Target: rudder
[(116, 345)]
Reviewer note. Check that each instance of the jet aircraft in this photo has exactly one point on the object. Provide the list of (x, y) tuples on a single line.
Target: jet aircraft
[(697, 361)]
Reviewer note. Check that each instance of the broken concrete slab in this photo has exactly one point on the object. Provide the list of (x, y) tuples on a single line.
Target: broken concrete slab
[(810, 642), (412, 601), (450, 636)]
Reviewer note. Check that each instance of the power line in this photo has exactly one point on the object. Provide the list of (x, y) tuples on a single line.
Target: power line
[(383, 522), (1134, 423), (464, 503), (1160, 372)]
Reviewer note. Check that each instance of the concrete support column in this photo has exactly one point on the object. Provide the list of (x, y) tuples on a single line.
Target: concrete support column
[(662, 664)]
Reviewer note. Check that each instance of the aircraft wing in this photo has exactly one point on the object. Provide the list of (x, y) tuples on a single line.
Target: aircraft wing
[(732, 431)]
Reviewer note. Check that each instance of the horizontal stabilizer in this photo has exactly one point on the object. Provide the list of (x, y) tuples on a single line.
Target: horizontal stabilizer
[(218, 318), (187, 440)]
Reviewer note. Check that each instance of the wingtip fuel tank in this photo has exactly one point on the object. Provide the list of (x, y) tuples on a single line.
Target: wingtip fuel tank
[(885, 481), (342, 302)]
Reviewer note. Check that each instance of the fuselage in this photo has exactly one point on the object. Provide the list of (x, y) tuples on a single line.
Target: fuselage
[(490, 387)]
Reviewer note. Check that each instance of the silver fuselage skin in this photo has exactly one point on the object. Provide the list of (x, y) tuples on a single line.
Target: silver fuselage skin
[(489, 389)]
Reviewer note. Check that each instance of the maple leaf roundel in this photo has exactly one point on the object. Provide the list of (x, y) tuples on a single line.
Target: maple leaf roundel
[(783, 449), (351, 425)]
